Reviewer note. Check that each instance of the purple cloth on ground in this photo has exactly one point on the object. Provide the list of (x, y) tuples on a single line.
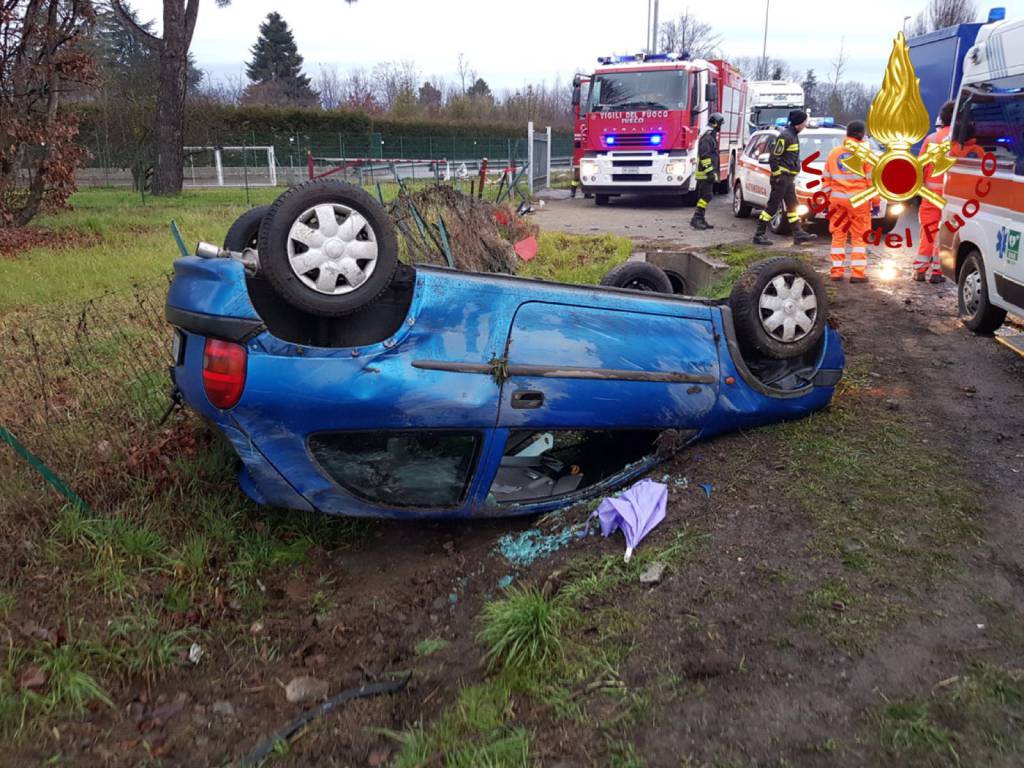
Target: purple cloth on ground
[(636, 512)]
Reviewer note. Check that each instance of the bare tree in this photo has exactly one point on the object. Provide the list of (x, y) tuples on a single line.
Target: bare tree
[(331, 86), (939, 14), (689, 36), (179, 25), (466, 73), (756, 68), (836, 77)]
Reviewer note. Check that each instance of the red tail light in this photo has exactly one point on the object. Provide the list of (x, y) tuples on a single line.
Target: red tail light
[(223, 372)]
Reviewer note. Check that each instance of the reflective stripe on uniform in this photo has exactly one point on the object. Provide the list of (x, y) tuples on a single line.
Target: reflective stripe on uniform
[(793, 148), (839, 195), (765, 216), (793, 217), (702, 203)]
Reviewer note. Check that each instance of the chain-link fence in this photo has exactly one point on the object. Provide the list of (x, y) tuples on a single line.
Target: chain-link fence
[(83, 389), (246, 162)]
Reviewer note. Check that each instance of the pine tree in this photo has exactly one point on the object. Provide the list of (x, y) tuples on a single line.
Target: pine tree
[(810, 86), (276, 67)]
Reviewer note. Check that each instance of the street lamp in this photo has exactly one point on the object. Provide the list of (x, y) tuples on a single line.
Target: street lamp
[(905, 20)]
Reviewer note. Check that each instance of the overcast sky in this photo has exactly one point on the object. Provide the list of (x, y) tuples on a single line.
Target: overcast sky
[(510, 43)]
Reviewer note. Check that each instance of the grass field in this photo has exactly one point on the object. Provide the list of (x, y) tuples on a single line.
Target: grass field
[(100, 607)]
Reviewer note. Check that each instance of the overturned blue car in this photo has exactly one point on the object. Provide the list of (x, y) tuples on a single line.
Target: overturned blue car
[(352, 384)]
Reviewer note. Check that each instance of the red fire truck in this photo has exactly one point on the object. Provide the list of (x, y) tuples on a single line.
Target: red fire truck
[(643, 117), (580, 89)]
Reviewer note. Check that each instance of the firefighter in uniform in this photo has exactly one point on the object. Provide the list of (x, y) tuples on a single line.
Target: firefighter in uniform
[(926, 265), (785, 165), (840, 184), (707, 170)]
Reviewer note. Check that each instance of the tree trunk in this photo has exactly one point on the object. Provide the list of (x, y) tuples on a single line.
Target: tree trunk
[(170, 110)]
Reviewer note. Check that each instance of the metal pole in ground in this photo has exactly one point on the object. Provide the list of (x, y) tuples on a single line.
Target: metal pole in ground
[(529, 153), (547, 181)]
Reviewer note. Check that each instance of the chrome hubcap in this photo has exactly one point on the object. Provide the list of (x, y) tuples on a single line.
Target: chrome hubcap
[(737, 199), (332, 249), (788, 308), (971, 292)]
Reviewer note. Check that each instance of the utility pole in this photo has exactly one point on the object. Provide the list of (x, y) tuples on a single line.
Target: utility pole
[(647, 42), (654, 29), (764, 47)]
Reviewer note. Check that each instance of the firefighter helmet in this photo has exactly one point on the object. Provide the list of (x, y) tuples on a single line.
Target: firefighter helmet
[(717, 120)]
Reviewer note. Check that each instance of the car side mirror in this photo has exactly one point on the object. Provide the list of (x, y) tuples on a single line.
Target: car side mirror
[(711, 93), (764, 158), (576, 96)]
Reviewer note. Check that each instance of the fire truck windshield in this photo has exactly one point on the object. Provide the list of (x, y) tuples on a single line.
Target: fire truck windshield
[(657, 89)]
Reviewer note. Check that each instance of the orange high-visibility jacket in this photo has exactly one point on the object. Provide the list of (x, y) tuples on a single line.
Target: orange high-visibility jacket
[(841, 182), (934, 183)]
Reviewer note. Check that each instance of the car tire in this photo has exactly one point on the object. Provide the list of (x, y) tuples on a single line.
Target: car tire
[(781, 285), (779, 224), (638, 276), (975, 310), (740, 208), (245, 232), (601, 199), (356, 272)]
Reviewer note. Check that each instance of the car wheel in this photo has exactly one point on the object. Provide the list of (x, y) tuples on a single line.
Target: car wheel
[(779, 223), (245, 232), (328, 248), (601, 199), (740, 208), (779, 308), (638, 276), (976, 312)]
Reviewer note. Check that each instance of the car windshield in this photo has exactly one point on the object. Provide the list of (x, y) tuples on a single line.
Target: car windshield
[(660, 89), (812, 141)]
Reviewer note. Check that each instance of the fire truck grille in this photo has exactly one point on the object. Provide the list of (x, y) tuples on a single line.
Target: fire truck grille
[(633, 140), (631, 177)]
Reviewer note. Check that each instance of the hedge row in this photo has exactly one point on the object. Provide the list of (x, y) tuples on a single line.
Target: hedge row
[(278, 120)]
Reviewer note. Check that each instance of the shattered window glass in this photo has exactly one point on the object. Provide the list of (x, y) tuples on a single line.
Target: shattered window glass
[(539, 465), (400, 469)]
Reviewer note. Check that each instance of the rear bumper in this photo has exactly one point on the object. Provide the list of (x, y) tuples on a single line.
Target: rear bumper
[(635, 189)]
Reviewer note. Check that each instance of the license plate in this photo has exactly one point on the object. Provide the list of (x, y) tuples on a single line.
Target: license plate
[(632, 171), (178, 348)]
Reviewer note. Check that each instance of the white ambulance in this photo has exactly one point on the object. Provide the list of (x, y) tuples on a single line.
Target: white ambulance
[(983, 222)]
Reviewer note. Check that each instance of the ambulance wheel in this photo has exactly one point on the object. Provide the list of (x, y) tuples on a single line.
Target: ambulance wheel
[(245, 232), (328, 248), (779, 308), (976, 312), (740, 208), (638, 276), (779, 223), (601, 199)]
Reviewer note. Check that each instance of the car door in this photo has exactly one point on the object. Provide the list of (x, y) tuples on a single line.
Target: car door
[(588, 389), (760, 172)]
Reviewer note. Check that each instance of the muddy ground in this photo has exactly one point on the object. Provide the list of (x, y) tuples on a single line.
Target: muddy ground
[(781, 638)]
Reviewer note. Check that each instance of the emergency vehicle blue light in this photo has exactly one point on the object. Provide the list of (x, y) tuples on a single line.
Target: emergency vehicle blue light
[(609, 140), (828, 122), (996, 14), (781, 120), (656, 139)]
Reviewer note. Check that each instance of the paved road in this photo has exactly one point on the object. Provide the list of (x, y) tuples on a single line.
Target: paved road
[(666, 222)]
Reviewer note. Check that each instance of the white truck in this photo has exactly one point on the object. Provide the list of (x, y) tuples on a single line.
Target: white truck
[(771, 100), (982, 228)]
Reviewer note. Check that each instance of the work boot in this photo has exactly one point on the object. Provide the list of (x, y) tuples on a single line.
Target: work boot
[(936, 279), (801, 235), (918, 277), (859, 278), (699, 221), (761, 236)]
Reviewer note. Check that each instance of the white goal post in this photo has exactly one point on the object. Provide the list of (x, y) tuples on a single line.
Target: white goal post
[(219, 174)]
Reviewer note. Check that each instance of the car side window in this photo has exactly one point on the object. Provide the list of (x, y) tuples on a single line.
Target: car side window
[(753, 145), (990, 118), (541, 465), (421, 468)]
